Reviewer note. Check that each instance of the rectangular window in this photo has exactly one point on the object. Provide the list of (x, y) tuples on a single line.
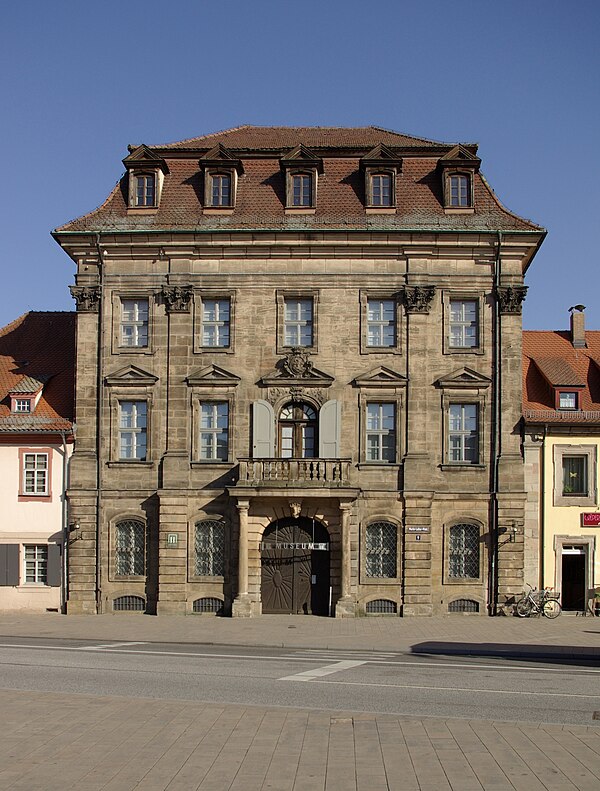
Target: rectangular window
[(575, 477), (215, 322), (464, 324), (214, 431), (381, 189), (145, 190), (298, 322), (301, 189), (567, 400), (381, 323), (133, 430), (459, 191), (22, 405), (463, 435), (221, 189), (35, 473), (134, 323), (36, 564), (381, 432)]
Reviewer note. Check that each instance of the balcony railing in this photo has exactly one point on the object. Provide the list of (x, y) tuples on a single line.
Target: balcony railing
[(295, 472)]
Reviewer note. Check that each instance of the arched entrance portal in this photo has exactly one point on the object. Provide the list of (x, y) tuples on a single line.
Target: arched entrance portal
[(295, 567)]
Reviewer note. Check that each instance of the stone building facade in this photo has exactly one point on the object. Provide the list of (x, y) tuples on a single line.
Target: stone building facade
[(298, 379)]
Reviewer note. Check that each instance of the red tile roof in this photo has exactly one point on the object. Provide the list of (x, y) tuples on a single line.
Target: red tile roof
[(260, 199), (38, 346), (553, 353)]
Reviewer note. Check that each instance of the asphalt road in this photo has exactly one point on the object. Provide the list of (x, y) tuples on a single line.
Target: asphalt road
[(510, 690)]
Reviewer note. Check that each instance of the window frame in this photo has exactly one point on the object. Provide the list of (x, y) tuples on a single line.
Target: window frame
[(192, 555), (210, 173), (282, 296), (113, 554), (218, 296), (365, 579), (560, 393), (133, 430), (559, 453), (213, 431), (379, 398), (22, 400), (290, 174), (469, 205), (118, 298), (144, 172), (372, 173), (448, 298), (24, 496), (454, 523), (201, 396), (365, 297), (25, 560), (463, 398)]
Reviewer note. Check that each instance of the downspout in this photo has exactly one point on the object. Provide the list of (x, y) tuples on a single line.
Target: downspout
[(496, 437), (64, 588), (99, 412)]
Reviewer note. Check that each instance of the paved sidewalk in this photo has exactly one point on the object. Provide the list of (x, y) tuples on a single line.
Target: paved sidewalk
[(565, 638), (59, 742)]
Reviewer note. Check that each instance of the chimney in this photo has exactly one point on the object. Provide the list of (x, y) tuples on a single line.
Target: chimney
[(578, 326)]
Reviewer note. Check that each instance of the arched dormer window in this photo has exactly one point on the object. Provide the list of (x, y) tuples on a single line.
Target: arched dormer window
[(146, 174), (297, 431)]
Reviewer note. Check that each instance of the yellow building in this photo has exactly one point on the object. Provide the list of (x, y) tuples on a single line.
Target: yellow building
[(561, 410)]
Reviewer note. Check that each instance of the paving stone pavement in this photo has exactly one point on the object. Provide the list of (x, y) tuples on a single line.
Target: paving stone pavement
[(97, 743)]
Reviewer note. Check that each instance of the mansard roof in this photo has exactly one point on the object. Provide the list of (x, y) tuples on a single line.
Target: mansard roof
[(37, 350), (260, 200)]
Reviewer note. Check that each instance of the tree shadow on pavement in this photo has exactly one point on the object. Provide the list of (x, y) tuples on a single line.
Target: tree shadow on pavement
[(556, 654)]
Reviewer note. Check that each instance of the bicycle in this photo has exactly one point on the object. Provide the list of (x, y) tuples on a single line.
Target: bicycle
[(535, 602)]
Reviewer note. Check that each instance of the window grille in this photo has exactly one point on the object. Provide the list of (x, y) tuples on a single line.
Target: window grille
[(130, 548), (210, 548), (464, 552), (208, 604), (129, 603), (381, 550), (463, 605), (381, 607)]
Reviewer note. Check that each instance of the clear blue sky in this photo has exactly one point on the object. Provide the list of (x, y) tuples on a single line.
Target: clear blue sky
[(81, 80)]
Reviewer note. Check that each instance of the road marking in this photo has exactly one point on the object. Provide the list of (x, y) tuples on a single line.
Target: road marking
[(446, 689), (317, 672), (108, 645)]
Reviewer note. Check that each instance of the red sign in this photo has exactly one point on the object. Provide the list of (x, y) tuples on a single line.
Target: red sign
[(590, 520)]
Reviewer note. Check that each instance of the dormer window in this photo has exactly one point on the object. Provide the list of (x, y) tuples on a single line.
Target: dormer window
[(567, 399), (380, 167), (146, 175), (220, 189), (145, 189), (301, 189), (460, 190), (381, 190), (21, 405)]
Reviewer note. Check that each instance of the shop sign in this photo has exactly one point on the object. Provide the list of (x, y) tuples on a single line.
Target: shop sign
[(418, 529), (590, 519), (294, 545)]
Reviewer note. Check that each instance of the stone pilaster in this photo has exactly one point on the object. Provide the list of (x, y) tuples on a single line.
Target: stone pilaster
[(82, 595), (416, 564), (172, 553), (346, 604), (242, 605)]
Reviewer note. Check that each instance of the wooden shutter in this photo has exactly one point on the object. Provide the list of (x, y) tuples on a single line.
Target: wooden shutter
[(9, 564), (263, 430), (54, 565), (330, 430)]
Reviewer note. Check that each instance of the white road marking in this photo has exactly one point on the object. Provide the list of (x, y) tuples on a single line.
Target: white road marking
[(317, 672), (108, 645)]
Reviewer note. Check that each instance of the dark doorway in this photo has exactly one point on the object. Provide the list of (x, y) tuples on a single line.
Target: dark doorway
[(573, 581), (295, 567)]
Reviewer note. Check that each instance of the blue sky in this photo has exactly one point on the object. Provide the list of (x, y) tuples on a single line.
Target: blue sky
[(79, 81)]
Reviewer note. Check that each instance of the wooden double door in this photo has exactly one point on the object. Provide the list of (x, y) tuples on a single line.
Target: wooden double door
[(295, 568)]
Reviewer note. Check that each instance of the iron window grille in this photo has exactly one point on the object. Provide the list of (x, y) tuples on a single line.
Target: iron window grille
[(463, 605), (209, 545), (208, 604), (464, 552), (130, 555), (129, 604), (381, 550), (381, 607)]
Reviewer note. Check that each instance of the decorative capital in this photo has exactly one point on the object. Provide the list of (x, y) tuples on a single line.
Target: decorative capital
[(177, 298), (418, 299), (297, 363), (511, 298), (87, 298)]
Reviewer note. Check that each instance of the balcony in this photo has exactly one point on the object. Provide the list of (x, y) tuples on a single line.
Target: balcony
[(303, 473)]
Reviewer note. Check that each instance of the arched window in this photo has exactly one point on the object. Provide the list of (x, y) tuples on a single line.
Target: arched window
[(460, 189), (209, 546), (130, 548), (221, 189), (381, 189), (463, 552), (381, 541), (298, 431), (145, 189)]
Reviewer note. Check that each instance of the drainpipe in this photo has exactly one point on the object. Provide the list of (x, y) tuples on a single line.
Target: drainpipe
[(496, 437), (99, 412), (64, 588)]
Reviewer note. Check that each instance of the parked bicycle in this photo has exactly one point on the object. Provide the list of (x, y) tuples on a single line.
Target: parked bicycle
[(536, 602)]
